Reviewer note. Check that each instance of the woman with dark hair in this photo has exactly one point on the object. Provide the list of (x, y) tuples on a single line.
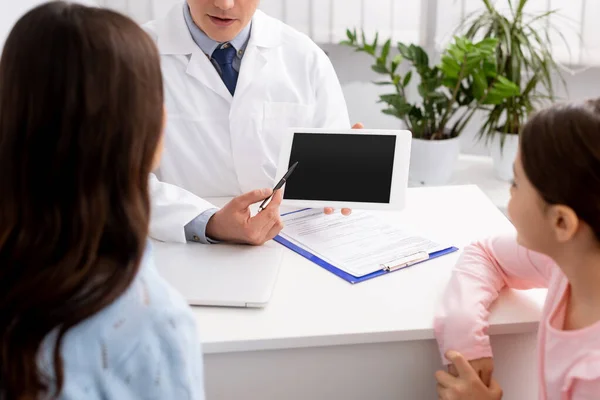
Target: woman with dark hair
[(83, 313), (555, 208)]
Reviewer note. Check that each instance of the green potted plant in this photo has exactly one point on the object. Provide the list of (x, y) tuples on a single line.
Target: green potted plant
[(524, 56), (465, 80)]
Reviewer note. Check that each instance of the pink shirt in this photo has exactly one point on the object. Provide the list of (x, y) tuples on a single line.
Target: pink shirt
[(568, 361)]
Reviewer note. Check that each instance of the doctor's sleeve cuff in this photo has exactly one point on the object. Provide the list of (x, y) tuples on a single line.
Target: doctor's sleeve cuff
[(195, 231)]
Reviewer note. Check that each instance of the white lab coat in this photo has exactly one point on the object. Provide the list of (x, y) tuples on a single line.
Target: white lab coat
[(217, 145)]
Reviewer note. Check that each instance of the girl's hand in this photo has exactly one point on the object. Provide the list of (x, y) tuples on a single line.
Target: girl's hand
[(468, 385), (483, 366)]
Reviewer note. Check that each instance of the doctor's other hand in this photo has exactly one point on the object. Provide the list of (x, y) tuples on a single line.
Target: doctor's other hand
[(467, 385), (234, 222), (345, 211)]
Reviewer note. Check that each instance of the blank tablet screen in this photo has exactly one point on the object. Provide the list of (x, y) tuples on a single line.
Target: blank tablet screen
[(341, 167)]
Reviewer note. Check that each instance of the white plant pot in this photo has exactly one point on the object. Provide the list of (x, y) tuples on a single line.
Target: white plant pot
[(505, 157), (432, 162)]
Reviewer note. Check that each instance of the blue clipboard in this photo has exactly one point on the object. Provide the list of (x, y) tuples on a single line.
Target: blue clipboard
[(343, 274)]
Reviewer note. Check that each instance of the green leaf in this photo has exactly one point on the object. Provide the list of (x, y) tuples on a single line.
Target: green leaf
[(490, 69), (479, 84), (388, 98), (450, 82), (416, 112), (349, 35), (504, 81), (530, 86), (398, 105), (380, 69), (507, 90), (456, 53), (420, 56), (390, 111), (450, 67), (376, 41), (385, 51), (407, 79), (520, 8), (489, 41), (403, 109), (405, 51), (396, 61), (501, 91), (471, 61), (383, 83), (461, 43)]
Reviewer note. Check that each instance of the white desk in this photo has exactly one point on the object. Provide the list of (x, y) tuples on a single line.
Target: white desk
[(322, 338)]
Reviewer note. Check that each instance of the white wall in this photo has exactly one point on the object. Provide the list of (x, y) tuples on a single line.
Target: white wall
[(355, 74), (10, 12)]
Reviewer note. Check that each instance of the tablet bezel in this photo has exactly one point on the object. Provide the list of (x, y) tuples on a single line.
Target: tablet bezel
[(399, 173)]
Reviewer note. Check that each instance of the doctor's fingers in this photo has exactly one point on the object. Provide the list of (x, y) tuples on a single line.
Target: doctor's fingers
[(266, 219), (275, 201), (264, 227), (259, 226), (274, 231), (330, 210), (245, 200)]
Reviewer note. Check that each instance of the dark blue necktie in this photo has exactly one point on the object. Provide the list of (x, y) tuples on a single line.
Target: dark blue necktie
[(224, 56)]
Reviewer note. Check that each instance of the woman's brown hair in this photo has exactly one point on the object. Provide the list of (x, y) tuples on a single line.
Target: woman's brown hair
[(560, 152), (81, 113)]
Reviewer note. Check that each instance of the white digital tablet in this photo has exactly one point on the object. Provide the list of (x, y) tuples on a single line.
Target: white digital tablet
[(360, 169)]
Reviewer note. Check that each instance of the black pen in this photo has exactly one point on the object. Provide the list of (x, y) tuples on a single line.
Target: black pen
[(279, 185)]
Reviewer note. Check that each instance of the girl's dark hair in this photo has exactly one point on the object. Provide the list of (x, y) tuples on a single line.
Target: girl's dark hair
[(560, 152), (81, 114)]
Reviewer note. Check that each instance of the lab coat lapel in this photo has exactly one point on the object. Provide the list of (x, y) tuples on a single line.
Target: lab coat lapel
[(174, 38), (200, 68), (253, 64), (264, 38)]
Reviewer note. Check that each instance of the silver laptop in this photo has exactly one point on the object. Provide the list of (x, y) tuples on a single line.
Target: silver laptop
[(220, 275)]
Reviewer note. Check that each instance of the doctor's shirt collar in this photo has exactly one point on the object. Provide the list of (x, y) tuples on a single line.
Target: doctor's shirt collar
[(208, 45)]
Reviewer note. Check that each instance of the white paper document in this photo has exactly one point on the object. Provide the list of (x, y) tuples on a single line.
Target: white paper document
[(359, 244)]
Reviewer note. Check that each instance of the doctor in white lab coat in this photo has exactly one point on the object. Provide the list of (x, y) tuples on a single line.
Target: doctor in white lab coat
[(234, 79)]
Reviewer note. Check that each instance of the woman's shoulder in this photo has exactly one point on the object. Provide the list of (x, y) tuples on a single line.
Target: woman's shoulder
[(148, 332), (147, 309)]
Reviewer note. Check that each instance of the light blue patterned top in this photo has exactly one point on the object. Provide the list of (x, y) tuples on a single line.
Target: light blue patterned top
[(143, 346)]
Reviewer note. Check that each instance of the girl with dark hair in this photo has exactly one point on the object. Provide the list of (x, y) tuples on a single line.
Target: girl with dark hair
[(83, 313), (555, 208)]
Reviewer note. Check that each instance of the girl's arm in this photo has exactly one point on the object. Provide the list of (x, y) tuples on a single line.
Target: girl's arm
[(483, 270)]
